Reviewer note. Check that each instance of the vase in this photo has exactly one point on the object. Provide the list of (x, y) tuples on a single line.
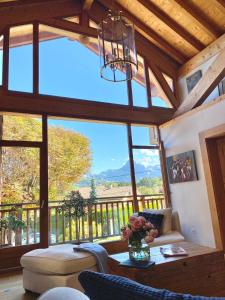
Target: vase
[(139, 251)]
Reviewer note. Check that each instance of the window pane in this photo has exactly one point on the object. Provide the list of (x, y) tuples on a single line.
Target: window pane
[(22, 128), (80, 151), (20, 195), (158, 96), (144, 135), (21, 58), (1, 57), (139, 86), (20, 171), (70, 67), (147, 171)]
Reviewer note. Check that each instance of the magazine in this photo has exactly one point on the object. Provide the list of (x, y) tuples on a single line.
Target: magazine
[(173, 251)]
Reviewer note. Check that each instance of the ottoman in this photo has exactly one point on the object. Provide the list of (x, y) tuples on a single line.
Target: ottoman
[(56, 266)]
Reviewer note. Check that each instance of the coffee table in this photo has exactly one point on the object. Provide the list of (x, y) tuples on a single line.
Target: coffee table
[(201, 272)]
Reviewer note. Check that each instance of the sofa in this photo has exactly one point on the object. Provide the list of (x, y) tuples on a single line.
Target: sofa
[(99, 286)]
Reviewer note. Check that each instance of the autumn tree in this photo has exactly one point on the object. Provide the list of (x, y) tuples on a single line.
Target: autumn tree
[(69, 159)]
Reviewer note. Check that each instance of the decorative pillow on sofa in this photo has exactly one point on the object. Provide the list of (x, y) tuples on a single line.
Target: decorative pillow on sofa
[(167, 220), (155, 219), (99, 286)]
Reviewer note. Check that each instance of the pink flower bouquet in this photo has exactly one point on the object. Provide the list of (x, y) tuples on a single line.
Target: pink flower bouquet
[(138, 230)]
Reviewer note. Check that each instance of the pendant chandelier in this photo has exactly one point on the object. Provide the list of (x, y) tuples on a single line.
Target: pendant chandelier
[(118, 57)]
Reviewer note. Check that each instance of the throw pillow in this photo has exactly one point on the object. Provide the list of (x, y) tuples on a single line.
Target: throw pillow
[(155, 219), (167, 220)]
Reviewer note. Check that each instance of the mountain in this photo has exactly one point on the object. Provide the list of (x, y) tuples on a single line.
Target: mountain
[(123, 174)]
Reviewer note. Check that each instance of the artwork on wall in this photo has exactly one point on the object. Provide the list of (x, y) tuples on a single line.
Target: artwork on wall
[(193, 79), (181, 167)]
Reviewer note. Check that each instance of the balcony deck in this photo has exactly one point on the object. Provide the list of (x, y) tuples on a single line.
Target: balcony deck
[(108, 215)]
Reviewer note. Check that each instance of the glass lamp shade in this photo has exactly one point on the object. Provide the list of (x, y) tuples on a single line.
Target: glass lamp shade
[(117, 51)]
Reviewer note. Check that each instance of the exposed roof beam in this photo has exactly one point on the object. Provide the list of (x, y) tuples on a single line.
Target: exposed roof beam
[(76, 108), (173, 25), (169, 49), (221, 2), (205, 86), (211, 27), (28, 12), (69, 27), (213, 49), (87, 4)]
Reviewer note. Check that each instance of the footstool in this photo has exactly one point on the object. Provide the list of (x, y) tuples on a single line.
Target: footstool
[(56, 266)]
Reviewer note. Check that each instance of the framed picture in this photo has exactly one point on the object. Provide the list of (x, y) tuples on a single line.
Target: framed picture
[(182, 167), (193, 80)]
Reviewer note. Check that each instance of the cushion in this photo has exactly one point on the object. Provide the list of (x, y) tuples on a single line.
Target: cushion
[(155, 219), (60, 293), (59, 259), (99, 286), (167, 220), (168, 238)]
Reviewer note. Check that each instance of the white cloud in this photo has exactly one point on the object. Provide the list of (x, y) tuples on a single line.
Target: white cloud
[(147, 157)]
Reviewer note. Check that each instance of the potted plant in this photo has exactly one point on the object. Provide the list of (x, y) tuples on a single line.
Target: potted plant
[(15, 226)]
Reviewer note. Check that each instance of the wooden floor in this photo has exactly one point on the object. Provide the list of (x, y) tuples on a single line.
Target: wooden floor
[(11, 288)]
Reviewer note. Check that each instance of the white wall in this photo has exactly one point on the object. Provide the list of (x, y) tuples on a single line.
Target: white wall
[(190, 199)]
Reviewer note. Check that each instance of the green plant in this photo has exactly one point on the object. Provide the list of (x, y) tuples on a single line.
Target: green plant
[(15, 223)]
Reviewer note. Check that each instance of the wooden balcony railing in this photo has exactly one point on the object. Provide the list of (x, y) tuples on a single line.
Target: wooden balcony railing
[(103, 222)]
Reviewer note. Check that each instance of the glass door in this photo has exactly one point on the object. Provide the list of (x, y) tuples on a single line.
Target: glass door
[(22, 205)]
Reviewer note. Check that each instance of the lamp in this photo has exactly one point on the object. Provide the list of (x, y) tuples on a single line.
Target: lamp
[(118, 57)]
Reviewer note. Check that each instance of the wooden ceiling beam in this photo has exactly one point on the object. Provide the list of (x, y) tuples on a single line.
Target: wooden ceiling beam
[(221, 2), (69, 27), (212, 28), (87, 4), (192, 40), (20, 14), (195, 62), (205, 86), (83, 109), (167, 48)]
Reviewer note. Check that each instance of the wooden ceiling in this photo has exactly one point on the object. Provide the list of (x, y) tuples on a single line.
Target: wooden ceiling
[(181, 28)]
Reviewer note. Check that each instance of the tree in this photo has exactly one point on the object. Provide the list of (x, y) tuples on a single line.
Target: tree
[(75, 206), (69, 158), (93, 195)]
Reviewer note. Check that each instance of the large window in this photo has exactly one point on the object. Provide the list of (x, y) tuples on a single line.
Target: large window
[(69, 67)]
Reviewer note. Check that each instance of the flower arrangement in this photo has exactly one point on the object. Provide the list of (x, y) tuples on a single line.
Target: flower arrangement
[(138, 230)]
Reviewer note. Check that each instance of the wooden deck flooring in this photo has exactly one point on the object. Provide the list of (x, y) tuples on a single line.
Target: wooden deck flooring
[(11, 288)]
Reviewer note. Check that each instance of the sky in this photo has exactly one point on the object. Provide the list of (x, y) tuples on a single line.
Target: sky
[(69, 69)]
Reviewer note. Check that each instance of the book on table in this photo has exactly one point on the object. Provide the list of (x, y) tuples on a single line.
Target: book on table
[(170, 251)]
